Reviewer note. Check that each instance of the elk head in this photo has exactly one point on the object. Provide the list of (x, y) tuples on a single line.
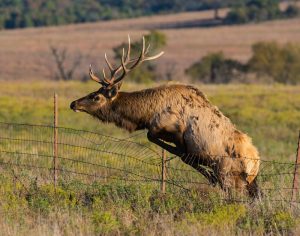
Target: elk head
[(110, 86)]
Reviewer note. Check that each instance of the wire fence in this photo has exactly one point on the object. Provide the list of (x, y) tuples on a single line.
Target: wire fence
[(28, 151)]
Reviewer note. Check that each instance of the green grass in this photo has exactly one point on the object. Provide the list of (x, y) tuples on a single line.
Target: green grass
[(133, 209), (29, 204), (269, 114)]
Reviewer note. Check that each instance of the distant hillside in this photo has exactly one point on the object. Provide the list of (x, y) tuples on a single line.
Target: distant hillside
[(28, 13), (25, 53)]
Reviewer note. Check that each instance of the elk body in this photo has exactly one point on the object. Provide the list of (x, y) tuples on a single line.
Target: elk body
[(181, 115)]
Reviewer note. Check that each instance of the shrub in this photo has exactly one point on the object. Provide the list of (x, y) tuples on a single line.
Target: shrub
[(292, 11), (270, 62), (220, 216), (237, 16), (42, 199), (105, 222), (279, 62), (267, 59), (257, 11), (215, 68), (282, 221)]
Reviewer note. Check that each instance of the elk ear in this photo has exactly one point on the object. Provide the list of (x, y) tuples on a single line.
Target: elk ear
[(112, 92)]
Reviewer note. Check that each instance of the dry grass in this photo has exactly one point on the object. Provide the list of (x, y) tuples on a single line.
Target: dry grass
[(24, 53)]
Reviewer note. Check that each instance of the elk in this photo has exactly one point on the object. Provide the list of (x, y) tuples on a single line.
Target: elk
[(180, 119)]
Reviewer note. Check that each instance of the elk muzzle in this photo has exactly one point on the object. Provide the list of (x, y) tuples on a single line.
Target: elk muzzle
[(73, 106)]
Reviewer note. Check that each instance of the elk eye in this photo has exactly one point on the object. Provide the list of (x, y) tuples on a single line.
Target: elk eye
[(96, 98)]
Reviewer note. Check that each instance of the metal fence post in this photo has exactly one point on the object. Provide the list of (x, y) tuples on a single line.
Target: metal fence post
[(163, 171), (296, 178), (55, 141)]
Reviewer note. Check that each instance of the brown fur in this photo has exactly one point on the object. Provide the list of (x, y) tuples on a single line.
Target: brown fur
[(182, 115)]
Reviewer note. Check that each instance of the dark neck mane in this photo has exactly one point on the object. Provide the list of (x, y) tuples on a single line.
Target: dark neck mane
[(131, 111)]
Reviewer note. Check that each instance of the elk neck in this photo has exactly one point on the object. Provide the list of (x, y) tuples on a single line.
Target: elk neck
[(132, 111)]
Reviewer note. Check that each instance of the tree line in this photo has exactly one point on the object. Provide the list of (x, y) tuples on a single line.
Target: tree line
[(35, 13)]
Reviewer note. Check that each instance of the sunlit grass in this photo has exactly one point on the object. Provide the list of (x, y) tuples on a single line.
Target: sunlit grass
[(270, 114)]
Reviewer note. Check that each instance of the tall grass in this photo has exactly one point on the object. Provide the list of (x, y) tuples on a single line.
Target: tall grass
[(269, 114)]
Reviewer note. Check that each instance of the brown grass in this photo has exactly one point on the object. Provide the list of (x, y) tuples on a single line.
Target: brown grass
[(24, 53)]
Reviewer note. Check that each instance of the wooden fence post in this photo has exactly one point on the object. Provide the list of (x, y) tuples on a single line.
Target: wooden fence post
[(296, 177), (163, 171), (55, 141)]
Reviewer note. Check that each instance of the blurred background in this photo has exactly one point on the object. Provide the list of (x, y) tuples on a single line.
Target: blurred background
[(244, 54), (208, 41)]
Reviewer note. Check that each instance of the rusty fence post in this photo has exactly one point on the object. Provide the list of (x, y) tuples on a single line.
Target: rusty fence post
[(55, 141), (163, 171), (296, 177)]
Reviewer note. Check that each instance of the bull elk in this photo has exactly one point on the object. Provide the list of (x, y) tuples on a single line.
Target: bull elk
[(180, 119)]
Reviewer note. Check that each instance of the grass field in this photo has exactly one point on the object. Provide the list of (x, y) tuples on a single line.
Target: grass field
[(269, 114)]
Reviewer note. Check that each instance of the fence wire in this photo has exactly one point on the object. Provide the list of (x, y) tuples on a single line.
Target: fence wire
[(88, 157)]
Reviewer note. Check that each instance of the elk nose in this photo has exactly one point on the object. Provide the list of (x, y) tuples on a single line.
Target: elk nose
[(72, 105)]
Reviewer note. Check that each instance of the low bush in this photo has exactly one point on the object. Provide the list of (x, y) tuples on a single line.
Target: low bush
[(279, 62), (259, 10), (215, 68), (270, 62)]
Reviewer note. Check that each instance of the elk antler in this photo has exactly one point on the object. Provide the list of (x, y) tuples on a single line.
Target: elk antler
[(125, 61)]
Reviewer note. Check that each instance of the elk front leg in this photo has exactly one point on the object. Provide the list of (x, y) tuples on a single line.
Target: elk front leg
[(168, 127), (186, 158), (171, 149)]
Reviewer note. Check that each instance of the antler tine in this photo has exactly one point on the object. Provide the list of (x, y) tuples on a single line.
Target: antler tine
[(113, 71), (154, 57), (108, 63), (125, 60), (142, 55), (92, 76), (143, 48), (125, 70), (104, 74), (95, 78), (128, 50)]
